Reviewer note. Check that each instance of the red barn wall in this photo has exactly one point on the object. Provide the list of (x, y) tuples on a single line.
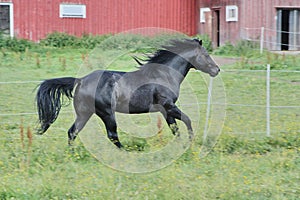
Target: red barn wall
[(229, 31), (34, 19), (252, 15)]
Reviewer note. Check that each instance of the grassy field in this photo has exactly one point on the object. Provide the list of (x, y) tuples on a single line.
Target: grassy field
[(244, 164)]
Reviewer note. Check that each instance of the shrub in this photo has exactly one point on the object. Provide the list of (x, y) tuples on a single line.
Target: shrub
[(132, 42), (124, 41), (57, 39), (137, 42), (226, 49), (243, 48), (206, 42), (15, 44), (90, 41), (246, 48)]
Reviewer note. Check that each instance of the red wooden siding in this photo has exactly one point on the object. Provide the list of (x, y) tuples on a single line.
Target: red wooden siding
[(34, 19), (252, 14)]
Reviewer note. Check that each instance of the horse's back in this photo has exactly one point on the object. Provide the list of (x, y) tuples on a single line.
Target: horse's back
[(96, 88)]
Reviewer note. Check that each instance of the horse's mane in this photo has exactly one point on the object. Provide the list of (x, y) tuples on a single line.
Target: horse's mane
[(155, 64), (166, 52)]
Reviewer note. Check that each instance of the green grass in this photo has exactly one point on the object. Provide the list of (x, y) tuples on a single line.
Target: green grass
[(244, 164)]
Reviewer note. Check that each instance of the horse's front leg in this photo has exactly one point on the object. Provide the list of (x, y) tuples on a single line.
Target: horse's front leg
[(174, 112), (172, 124)]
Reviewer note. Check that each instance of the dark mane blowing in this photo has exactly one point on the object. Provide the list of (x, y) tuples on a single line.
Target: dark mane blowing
[(169, 51)]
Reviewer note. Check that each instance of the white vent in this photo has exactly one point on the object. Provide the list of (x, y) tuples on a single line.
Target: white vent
[(72, 11)]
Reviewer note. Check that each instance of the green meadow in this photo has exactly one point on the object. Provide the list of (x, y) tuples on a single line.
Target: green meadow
[(240, 161)]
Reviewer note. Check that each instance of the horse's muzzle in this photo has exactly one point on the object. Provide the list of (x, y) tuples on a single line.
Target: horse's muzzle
[(214, 72)]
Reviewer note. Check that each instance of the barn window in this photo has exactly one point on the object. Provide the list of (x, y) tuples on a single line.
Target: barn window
[(72, 11), (231, 13), (6, 19), (202, 14)]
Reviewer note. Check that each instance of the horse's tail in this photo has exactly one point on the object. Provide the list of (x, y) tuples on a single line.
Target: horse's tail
[(49, 99)]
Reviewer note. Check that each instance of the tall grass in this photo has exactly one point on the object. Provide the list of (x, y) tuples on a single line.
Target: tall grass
[(242, 165)]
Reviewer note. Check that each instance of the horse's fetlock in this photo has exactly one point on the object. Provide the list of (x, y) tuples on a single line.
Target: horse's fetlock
[(174, 128)]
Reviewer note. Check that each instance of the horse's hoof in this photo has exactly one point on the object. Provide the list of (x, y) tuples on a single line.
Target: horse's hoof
[(191, 135), (70, 143), (119, 145)]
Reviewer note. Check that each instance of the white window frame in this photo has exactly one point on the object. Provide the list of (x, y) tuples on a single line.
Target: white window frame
[(63, 12), (11, 17), (229, 10), (202, 14)]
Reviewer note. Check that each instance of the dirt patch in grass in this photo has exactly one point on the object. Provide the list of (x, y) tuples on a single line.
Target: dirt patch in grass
[(225, 60)]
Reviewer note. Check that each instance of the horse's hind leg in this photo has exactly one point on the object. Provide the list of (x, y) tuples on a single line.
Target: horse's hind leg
[(77, 126), (111, 128)]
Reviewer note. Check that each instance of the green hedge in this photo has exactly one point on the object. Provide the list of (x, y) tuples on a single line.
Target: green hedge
[(133, 42), (60, 40), (14, 44), (242, 48)]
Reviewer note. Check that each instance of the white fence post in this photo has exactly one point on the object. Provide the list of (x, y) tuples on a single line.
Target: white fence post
[(268, 100), (262, 39), (208, 107)]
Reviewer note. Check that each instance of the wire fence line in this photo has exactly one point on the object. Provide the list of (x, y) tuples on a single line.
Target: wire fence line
[(183, 104), (222, 70), (18, 82), (263, 106), (269, 29), (28, 113), (271, 38), (190, 104)]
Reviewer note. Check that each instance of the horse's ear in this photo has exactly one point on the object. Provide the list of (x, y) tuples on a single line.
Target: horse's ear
[(199, 41)]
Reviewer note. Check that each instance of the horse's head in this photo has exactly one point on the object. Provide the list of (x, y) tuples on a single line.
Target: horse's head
[(193, 53), (201, 60)]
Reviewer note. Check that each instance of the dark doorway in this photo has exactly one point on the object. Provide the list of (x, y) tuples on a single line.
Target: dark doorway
[(216, 28), (288, 28), (285, 30)]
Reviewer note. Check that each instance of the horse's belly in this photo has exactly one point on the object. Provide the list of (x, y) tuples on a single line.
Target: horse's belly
[(135, 108), (139, 101), (137, 105)]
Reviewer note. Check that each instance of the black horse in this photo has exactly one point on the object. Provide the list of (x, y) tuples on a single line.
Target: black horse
[(154, 87)]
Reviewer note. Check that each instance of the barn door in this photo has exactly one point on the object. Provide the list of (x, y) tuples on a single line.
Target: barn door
[(279, 29), (6, 19), (216, 28), (294, 35), (288, 31)]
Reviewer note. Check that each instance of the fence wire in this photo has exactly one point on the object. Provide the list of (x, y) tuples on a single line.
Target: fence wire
[(241, 106), (270, 38), (182, 104)]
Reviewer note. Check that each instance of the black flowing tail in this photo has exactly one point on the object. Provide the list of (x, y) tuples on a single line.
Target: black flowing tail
[(49, 99)]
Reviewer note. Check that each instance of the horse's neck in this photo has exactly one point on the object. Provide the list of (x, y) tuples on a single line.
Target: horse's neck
[(179, 65)]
